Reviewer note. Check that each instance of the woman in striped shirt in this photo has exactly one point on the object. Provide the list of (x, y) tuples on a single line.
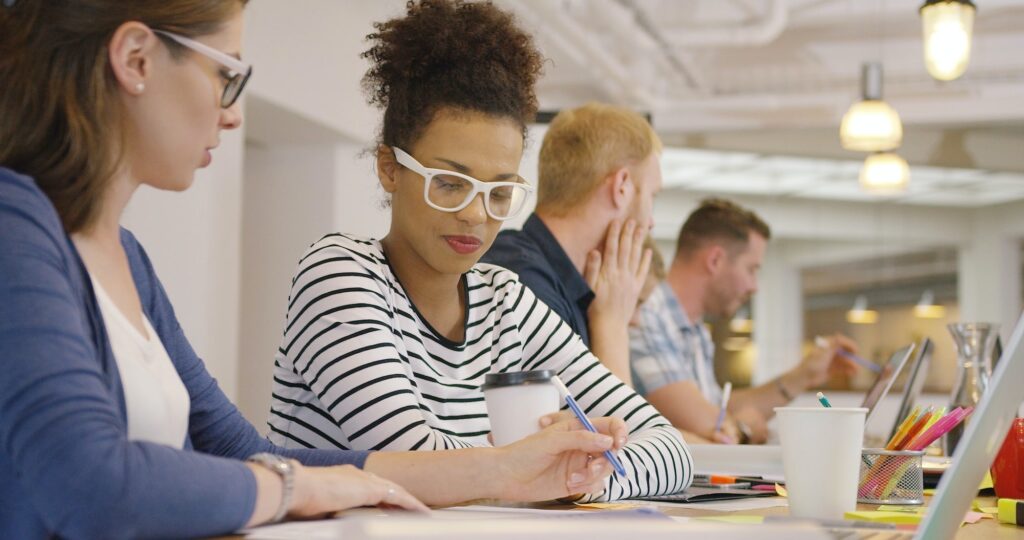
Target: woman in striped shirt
[(387, 342)]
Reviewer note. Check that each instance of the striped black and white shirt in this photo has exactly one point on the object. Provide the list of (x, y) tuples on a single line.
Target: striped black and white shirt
[(359, 368)]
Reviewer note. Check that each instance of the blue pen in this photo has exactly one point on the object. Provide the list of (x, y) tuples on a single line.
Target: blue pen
[(866, 364), (616, 464)]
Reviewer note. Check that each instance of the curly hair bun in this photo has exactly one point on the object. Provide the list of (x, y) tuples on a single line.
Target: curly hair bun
[(469, 56)]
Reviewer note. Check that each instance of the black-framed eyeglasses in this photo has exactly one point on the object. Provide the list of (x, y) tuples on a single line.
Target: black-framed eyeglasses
[(238, 71)]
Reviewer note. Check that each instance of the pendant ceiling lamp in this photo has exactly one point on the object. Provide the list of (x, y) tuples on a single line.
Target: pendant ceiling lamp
[(884, 172), (948, 26), (926, 308), (871, 125), (860, 314)]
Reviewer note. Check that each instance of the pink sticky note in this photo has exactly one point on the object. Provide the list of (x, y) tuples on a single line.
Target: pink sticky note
[(974, 517)]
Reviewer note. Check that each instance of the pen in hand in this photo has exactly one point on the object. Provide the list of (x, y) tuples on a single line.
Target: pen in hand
[(726, 391), (576, 410), (866, 364)]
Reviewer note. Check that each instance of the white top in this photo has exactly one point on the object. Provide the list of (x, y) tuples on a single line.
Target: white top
[(155, 398), (359, 367)]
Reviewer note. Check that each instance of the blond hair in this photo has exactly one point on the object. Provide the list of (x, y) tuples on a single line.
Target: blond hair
[(585, 144)]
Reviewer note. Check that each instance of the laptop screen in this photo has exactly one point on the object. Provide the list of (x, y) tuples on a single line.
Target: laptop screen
[(886, 377)]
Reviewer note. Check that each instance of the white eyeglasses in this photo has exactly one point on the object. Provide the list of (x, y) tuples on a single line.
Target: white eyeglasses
[(237, 76), (449, 191)]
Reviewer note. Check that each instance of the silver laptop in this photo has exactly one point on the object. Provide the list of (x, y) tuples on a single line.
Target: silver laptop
[(890, 371), (985, 432), (918, 372)]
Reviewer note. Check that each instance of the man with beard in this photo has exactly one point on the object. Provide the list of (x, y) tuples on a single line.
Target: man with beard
[(714, 272)]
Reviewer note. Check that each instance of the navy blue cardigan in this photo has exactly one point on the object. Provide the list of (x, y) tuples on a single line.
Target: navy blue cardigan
[(67, 468)]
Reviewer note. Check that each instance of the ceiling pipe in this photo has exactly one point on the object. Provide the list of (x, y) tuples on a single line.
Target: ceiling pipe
[(568, 34), (755, 34)]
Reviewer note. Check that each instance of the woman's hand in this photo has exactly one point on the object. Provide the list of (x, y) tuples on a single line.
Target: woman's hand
[(564, 459), (324, 490)]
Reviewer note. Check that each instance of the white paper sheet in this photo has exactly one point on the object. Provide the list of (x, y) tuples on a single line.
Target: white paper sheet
[(737, 459)]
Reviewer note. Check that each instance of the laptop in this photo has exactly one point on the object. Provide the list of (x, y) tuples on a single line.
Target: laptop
[(982, 438), (915, 382), (886, 378)]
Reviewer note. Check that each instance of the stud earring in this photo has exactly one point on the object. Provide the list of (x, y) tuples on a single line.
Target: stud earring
[(140, 87)]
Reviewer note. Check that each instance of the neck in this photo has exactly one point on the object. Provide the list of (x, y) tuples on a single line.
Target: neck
[(576, 236), (106, 226), (689, 286), (425, 286)]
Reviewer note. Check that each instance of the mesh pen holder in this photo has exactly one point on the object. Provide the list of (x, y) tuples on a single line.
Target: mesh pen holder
[(891, 477)]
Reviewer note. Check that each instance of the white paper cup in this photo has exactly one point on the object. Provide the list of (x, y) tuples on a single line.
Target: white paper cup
[(516, 401), (821, 458)]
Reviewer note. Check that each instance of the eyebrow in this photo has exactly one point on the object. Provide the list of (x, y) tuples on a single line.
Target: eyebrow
[(466, 170)]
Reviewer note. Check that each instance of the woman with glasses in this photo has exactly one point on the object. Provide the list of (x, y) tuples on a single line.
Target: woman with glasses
[(110, 426), (387, 342)]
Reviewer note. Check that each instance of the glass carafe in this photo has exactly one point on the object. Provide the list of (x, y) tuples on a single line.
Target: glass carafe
[(974, 346)]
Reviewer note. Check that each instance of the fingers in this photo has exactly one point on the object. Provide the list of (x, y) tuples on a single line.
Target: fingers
[(611, 241), (589, 478), (841, 341), (637, 251), (721, 437), (560, 439), (613, 426), (592, 269), (554, 418), (627, 245), (388, 493), (645, 266)]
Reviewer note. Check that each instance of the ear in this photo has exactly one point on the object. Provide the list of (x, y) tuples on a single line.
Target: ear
[(130, 54), (715, 258), (387, 168), (621, 185)]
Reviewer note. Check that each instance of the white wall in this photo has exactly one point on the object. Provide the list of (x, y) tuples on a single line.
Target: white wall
[(194, 239)]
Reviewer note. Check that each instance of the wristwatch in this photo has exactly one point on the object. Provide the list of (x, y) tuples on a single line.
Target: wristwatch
[(283, 468)]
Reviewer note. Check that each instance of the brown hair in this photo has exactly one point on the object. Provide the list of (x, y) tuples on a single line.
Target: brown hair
[(582, 146), (721, 220), (62, 122), (467, 56)]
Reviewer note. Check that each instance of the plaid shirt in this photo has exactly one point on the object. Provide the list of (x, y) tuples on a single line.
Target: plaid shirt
[(666, 347)]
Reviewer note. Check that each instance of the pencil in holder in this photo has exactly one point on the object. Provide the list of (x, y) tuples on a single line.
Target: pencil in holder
[(891, 477)]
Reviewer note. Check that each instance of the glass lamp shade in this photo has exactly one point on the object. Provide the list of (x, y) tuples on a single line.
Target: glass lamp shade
[(926, 308), (871, 125), (947, 25), (860, 314), (884, 172)]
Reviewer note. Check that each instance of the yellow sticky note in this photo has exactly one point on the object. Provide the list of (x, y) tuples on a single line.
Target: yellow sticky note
[(986, 482), (899, 518), (986, 509), (781, 490), (929, 491), (901, 508), (745, 520)]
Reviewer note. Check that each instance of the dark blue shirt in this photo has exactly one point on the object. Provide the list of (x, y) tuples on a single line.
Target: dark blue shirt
[(543, 266), (67, 468)]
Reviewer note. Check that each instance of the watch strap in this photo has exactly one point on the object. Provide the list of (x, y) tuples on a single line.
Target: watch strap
[(283, 468)]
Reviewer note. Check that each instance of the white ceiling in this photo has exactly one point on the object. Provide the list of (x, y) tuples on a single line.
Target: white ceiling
[(700, 65), (730, 173), (734, 74)]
